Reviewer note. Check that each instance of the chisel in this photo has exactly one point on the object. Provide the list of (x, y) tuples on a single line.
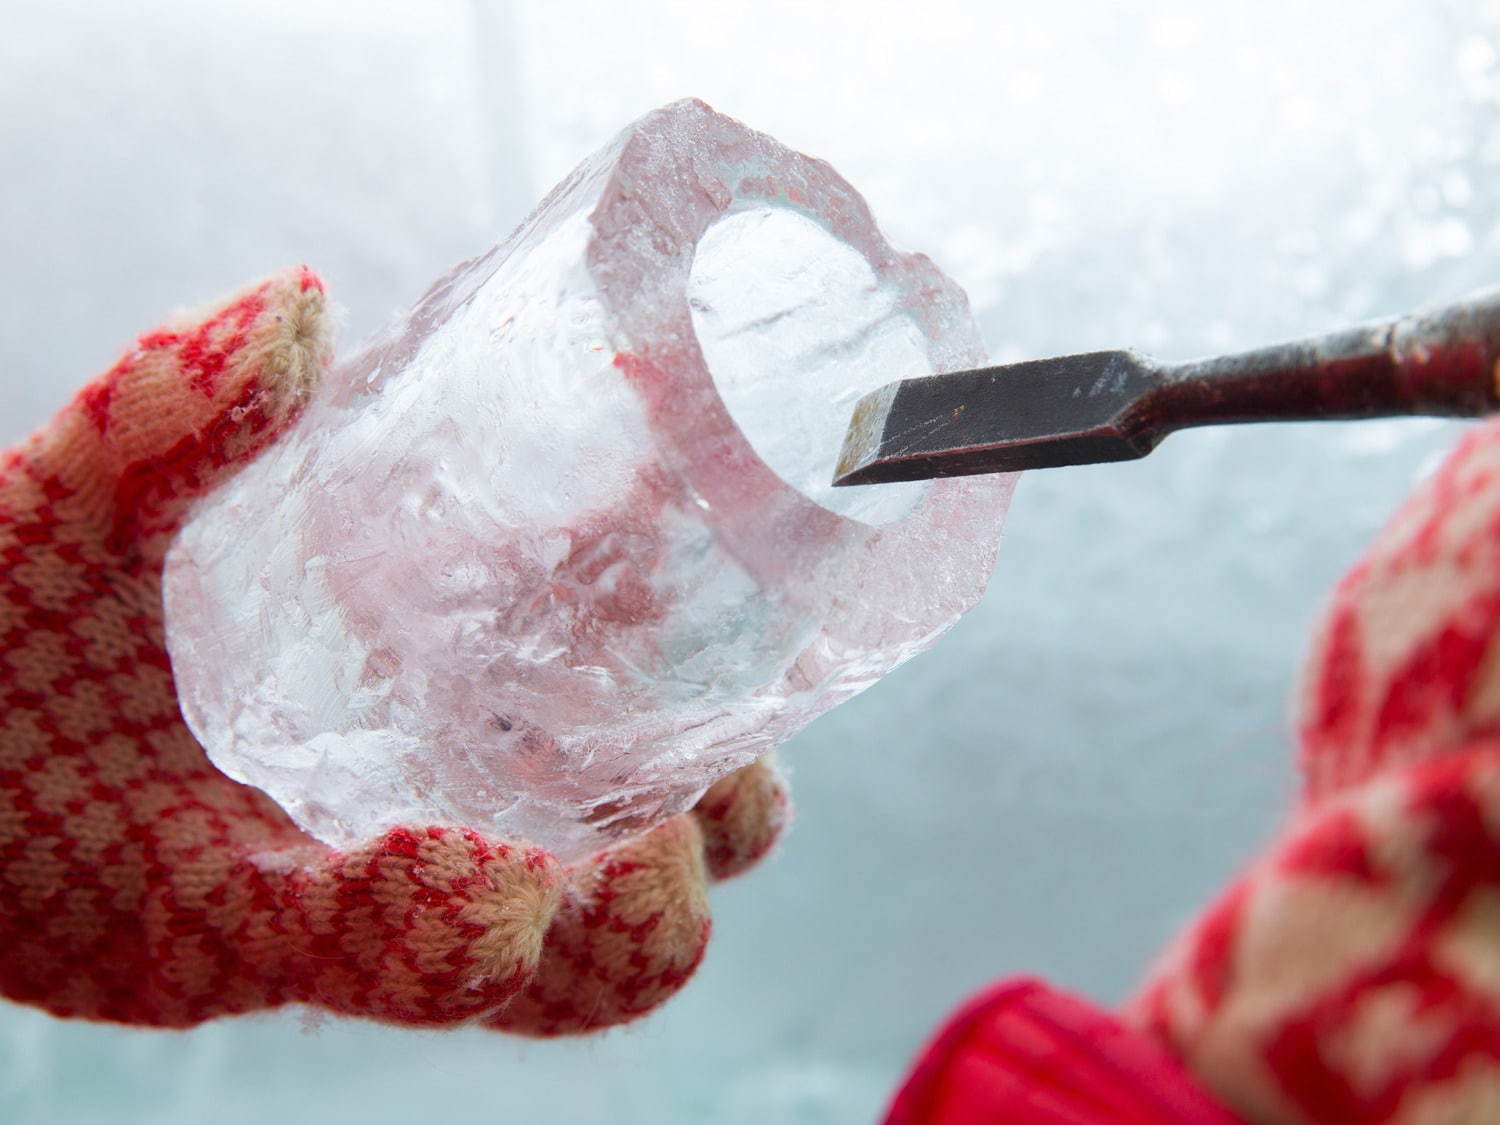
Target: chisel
[(1117, 405)]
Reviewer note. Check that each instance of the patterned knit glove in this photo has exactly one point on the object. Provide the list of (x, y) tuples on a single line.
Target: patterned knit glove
[(139, 884), (1353, 973)]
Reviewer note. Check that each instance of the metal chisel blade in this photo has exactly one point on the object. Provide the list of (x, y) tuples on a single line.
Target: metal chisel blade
[(1039, 414)]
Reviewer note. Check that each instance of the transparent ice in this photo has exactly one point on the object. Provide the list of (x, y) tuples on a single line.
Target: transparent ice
[(560, 550)]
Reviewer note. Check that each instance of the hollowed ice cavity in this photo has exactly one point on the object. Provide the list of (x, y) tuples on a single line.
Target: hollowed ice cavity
[(795, 326), (559, 551)]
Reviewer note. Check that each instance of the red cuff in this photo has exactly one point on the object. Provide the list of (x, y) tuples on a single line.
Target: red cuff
[(1022, 1053)]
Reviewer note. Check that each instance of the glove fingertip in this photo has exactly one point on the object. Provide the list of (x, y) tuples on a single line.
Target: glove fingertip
[(425, 926), (632, 930), (742, 817), (187, 405)]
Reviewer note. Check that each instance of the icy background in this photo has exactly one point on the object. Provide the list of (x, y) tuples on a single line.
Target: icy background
[(1093, 751)]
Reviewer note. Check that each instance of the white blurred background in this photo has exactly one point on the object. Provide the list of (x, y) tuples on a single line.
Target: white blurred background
[(1093, 751)]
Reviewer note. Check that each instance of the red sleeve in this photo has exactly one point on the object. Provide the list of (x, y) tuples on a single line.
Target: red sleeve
[(1023, 1053)]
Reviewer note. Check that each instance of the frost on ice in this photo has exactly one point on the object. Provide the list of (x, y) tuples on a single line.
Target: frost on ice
[(560, 550)]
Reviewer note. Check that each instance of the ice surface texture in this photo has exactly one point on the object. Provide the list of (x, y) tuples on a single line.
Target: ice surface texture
[(558, 551)]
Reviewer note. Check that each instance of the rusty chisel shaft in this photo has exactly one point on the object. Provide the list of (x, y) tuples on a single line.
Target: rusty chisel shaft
[(1115, 406)]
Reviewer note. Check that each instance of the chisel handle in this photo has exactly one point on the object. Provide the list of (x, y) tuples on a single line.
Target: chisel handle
[(1441, 363)]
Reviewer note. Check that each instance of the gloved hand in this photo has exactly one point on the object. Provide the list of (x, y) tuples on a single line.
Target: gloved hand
[(1352, 973), (139, 884)]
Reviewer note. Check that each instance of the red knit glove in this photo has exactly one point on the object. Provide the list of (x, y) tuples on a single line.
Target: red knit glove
[(1353, 973), (139, 884)]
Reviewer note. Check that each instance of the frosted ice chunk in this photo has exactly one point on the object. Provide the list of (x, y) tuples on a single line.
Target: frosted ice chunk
[(560, 550)]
